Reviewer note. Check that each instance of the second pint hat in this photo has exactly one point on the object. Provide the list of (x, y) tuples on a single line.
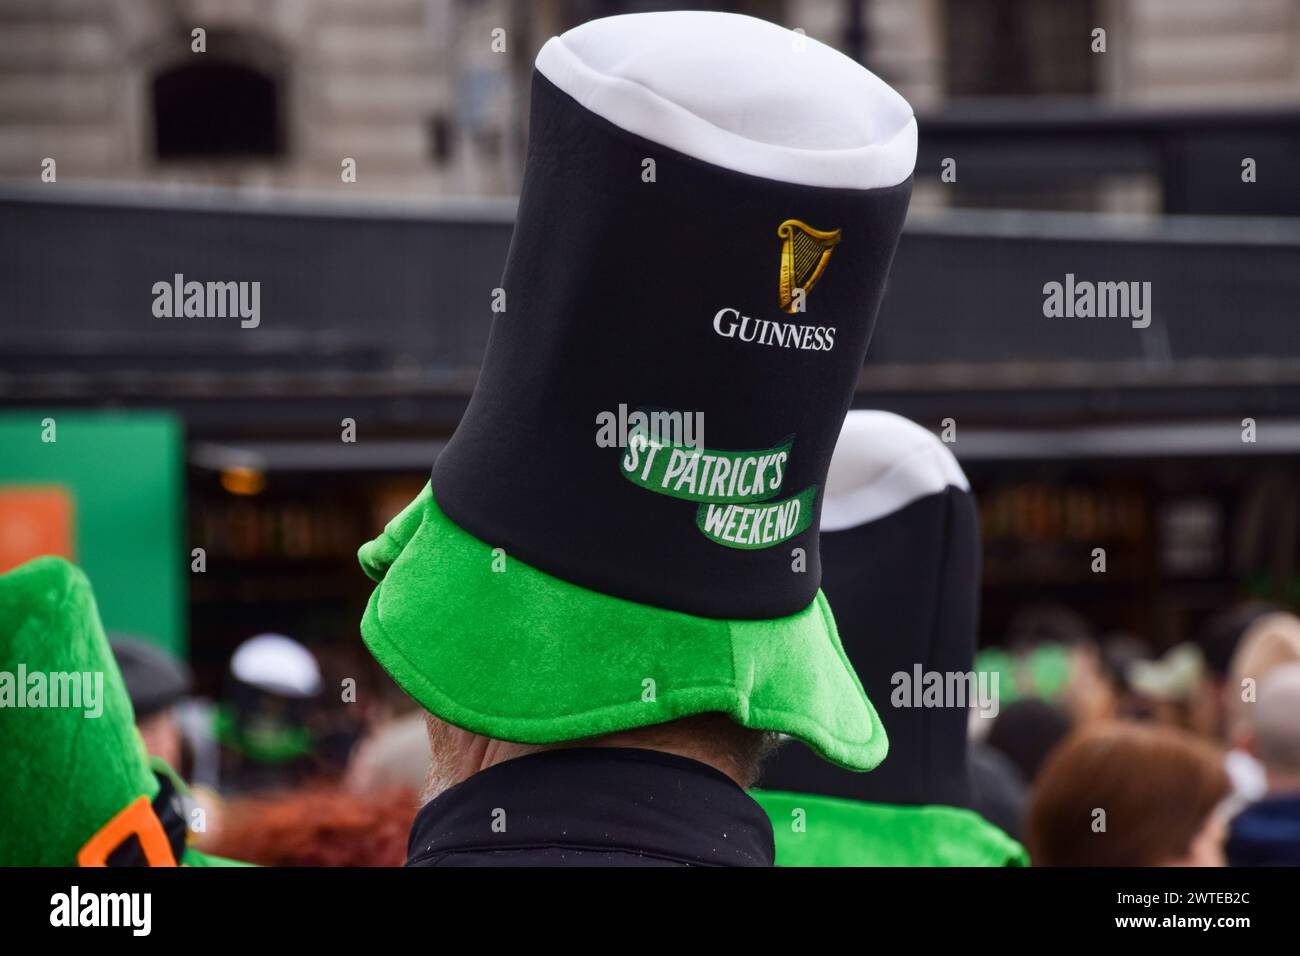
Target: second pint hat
[(901, 547), (709, 211)]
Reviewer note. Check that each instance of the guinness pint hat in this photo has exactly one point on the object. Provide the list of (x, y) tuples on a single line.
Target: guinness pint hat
[(900, 564), (624, 528)]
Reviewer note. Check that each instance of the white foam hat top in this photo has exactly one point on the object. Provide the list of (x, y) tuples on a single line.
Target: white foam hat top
[(276, 663), (882, 463), (740, 93)]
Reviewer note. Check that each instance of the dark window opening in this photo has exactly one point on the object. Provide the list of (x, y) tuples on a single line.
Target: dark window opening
[(214, 108), (440, 139), (1020, 48)]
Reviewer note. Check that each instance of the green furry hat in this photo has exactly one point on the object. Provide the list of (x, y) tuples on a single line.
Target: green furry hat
[(79, 788)]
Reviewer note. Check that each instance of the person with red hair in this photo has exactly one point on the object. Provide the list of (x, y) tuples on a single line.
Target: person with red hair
[(319, 825), (1119, 794)]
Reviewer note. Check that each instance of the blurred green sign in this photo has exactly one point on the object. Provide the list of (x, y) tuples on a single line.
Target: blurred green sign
[(106, 491)]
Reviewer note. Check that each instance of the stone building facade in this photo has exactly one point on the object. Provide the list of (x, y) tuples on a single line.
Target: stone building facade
[(429, 96)]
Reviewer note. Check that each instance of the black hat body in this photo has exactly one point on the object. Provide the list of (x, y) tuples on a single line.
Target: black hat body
[(900, 567)]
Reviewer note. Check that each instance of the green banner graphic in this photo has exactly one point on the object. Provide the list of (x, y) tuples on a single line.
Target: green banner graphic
[(703, 475), (750, 527), (727, 485)]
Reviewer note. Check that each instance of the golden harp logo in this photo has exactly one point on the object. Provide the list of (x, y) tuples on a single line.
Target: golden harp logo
[(804, 254)]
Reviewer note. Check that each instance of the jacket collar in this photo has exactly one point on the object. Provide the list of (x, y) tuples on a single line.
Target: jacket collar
[(620, 799)]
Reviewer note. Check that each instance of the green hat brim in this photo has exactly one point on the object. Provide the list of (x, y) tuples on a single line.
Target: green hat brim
[(503, 649), (839, 832)]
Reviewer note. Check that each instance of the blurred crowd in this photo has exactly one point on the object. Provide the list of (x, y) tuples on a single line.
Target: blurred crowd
[(281, 773), (1191, 757)]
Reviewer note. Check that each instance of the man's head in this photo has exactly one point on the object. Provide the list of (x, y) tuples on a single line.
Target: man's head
[(1271, 642), (1274, 729), (155, 681), (712, 738)]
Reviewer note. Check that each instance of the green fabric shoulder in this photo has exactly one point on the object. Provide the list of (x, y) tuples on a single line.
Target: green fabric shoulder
[(815, 830)]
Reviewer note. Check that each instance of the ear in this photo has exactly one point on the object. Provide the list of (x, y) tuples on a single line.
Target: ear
[(1247, 742), (1244, 739)]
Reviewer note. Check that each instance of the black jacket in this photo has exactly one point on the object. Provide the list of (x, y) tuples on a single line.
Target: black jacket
[(596, 806), (1266, 833)]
